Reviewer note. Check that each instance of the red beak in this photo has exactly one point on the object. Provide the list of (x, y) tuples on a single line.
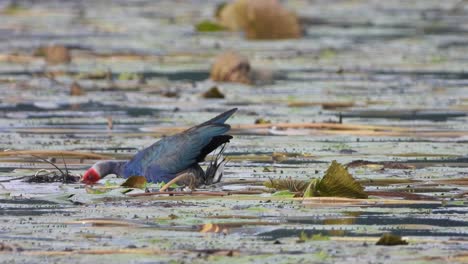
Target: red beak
[(91, 176)]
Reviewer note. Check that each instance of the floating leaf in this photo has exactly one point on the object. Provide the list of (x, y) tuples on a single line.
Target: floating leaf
[(284, 193), (388, 239), (213, 92), (231, 67), (260, 19), (337, 182), (209, 26), (135, 182)]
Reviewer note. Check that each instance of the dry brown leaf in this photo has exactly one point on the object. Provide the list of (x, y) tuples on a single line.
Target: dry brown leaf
[(76, 90), (231, 67), (135, 182), (260, 19)]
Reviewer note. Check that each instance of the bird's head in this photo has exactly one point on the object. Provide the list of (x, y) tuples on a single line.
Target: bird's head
[(95, 173), (91, 176)]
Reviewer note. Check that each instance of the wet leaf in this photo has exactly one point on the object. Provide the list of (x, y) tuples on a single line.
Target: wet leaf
[(284, 193), (213, 92), (337, 182), (135, 182), (209, 26), (231, 67), (261, 19), (389, 239)]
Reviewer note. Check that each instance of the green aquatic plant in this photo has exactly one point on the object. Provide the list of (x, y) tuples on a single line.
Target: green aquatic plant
[(337, 182), (209, 26)]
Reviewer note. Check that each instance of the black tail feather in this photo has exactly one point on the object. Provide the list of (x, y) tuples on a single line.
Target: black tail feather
[(215, 142)]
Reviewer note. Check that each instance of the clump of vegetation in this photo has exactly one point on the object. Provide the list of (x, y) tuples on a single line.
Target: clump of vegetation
[(58, 175), (287, 184), (213, 92), (209, 26), (337, 182), (388, 239), (261, 121), (129, 76), (303, 237)]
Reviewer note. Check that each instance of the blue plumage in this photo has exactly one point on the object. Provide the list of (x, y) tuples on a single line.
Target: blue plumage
[(172, 155)]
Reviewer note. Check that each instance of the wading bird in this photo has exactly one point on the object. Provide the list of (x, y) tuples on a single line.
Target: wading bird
[(170, 156)]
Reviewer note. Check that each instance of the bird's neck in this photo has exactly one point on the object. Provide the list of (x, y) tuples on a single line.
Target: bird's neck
[(115, 167)]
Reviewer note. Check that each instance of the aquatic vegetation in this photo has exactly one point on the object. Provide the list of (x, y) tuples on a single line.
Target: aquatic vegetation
[(388, 239), (209, 26), (337, 182)]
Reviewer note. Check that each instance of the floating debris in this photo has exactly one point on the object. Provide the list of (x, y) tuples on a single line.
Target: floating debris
[(260, 19), (54, 54), (231, 67), (214, 93), (388, 239)]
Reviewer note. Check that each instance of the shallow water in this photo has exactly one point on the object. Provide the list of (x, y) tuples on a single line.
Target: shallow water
[(399, 66)]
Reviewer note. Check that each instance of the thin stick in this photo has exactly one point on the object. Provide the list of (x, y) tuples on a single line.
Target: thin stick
[(66, 169), (51, 163)]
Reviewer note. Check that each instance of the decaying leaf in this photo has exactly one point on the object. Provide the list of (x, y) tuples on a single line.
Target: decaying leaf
[(260, 19), (55, 54), (213, 92), (135, 182), (388, 239), (337, 182), (76, 90), (287, 184), (231, 67)]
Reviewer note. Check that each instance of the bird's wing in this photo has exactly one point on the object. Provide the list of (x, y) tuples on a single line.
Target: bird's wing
[(176, 153)]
